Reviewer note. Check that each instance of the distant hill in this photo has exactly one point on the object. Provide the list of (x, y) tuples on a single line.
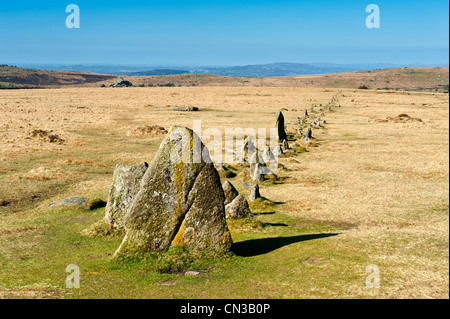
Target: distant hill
[(273, 69), (258, 70), (157, 72), (413, 79), (15, 77)]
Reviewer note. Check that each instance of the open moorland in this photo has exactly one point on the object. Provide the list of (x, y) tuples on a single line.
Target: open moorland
[(372, 188)]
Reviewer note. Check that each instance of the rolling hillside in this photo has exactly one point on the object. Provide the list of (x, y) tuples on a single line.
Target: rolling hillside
[(418, 79)]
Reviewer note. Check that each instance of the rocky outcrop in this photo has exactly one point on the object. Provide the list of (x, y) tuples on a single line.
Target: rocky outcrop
[(120, 82)]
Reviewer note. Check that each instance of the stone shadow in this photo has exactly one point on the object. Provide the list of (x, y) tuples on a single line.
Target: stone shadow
[(255, 247)]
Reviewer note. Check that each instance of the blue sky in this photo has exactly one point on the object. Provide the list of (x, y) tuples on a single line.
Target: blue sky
[(219, 32)]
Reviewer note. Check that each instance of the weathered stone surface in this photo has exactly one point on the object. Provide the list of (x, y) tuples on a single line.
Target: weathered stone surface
[(181, 201), (238, 208), (248, 145), (308, 133), (268, 155), (256, 163), (307, 136), (126, 184), (270, 160), (248, 149), (254, 193), (230, 192), (258, 173), (280, 126)]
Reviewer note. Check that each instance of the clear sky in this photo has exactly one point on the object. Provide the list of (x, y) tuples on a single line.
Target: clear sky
[(224, 32)]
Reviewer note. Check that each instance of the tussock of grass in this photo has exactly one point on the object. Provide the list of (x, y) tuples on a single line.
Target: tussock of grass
[(177, 260), (102, 229), (262, 204), (227, 174), (299, 149)]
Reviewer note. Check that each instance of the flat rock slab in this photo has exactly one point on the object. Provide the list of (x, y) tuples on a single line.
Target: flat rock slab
[(83, 202), (186, 108), (192, 273)]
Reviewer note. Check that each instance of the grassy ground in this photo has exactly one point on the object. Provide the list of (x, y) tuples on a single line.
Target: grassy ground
[(367, 192)]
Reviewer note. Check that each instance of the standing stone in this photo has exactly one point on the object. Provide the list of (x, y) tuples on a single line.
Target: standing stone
[(278, 151), (270, 160), (285, 146), (280, 126), (307, 136), (248, 148), (254, 193), (181, 201), (238, 208), (255, 159), (257, 173), (268, 155), (230, 192), (125, 186)]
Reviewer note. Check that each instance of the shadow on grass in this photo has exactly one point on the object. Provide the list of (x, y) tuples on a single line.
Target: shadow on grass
[(255, 247), (276, 224), (265, 213)]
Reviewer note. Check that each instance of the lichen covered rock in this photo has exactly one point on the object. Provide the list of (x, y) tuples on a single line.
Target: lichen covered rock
[(125, 186), (238, 208), (180, 201), (230, 192), (254, 193)]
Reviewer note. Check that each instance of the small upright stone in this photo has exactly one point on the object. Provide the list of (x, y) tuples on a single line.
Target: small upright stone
[(125, 186), (230, 192), (280, 126), (307, 136), (238, 208), (254, 193), (248, 148), (257, 174), (268, 155), (278, 151), (285, 146)]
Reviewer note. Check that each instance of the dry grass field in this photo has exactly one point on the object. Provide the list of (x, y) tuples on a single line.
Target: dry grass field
[(373, 189)]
